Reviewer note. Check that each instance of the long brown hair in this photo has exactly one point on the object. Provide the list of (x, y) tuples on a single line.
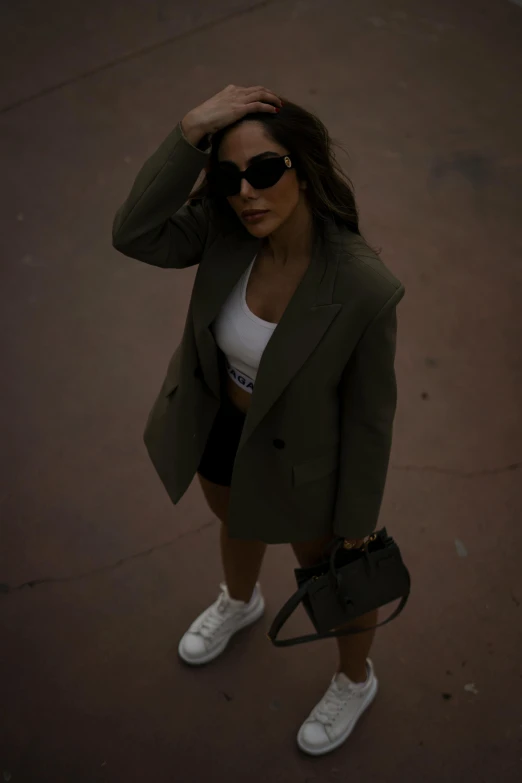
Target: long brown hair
[(329, 191)]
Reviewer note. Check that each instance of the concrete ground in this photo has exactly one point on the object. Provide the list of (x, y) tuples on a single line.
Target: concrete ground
[(100, 574)]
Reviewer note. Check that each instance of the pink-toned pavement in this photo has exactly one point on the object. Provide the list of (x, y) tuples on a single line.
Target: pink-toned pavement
[(100, 574)]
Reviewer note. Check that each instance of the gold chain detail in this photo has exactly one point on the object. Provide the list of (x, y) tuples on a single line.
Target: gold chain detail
[(350, 545)]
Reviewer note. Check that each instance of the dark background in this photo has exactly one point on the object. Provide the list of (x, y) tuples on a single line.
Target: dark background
[(100, 574)]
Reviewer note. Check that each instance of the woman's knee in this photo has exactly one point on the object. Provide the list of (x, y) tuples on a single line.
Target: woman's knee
[(309, 553)]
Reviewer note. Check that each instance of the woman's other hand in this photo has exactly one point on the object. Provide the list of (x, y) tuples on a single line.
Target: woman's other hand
[(226, 107)]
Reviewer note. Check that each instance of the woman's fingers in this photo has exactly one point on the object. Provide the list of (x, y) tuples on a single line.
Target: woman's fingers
[(263, 95), (258, 106), (232, 104)]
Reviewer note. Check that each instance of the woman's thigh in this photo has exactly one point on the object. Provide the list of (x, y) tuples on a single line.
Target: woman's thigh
[(308, 553), (217, 497)]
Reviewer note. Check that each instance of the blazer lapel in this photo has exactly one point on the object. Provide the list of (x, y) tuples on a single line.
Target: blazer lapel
[(309, 314)]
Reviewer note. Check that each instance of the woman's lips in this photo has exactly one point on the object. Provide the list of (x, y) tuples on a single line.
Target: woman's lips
[(254, 217)]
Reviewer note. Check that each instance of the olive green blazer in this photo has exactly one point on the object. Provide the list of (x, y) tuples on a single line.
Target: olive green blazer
[(315, 447)]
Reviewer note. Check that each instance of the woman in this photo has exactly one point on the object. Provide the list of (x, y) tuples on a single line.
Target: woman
[(282, 393)]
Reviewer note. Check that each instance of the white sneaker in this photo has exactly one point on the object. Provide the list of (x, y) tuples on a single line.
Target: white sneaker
[(210, 633), (332, 720)]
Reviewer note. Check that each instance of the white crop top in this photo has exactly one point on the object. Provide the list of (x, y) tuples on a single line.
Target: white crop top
[(241, 335)]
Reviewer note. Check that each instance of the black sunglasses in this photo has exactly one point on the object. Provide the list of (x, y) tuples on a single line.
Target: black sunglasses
[(226, 177)]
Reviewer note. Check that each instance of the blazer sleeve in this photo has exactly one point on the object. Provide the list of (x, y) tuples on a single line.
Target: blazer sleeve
[(154, 224), (368, 402)]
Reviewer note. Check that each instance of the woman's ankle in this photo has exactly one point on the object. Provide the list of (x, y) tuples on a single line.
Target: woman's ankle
[(240, 593)]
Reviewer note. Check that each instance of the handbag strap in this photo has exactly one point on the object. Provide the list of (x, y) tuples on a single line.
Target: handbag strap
[(291, 605)]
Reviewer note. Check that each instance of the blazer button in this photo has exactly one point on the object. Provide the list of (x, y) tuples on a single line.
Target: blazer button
[(197, 373), (279, 444)]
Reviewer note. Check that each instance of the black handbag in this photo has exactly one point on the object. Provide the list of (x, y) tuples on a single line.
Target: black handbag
[(346, 585)]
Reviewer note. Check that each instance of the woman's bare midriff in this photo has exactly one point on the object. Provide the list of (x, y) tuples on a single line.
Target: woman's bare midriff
[(239, 397)]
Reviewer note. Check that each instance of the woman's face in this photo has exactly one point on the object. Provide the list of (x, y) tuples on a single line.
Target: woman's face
[(240, 145)]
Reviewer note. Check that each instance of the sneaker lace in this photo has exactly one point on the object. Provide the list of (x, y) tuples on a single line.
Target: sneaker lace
[(331, 704), (215, 616)]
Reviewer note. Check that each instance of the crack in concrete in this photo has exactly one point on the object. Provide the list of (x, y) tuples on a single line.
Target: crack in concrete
[(5, 588), (134, 55), (457, 472)]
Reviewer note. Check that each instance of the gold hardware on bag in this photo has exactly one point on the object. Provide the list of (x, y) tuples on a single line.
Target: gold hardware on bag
[(350, 545)]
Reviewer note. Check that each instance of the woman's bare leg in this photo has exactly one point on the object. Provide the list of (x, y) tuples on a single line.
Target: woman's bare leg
[(353, 650), (241, 559)]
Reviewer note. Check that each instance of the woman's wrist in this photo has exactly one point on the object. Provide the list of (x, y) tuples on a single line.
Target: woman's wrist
[(193, 130)]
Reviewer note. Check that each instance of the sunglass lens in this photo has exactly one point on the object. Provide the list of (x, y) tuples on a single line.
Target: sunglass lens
[(266, 173), (226, 179)]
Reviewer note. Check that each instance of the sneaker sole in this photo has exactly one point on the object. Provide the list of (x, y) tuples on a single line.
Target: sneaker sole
[(249, 619), (372, 693)]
